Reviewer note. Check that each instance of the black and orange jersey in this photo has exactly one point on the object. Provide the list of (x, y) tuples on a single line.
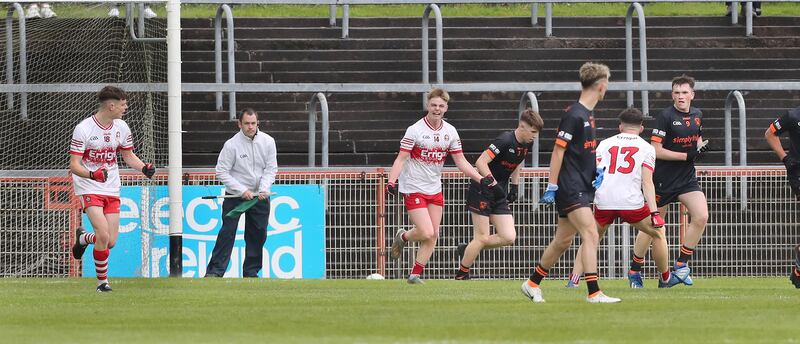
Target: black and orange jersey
[(576, 133), (789, 123), (506, 153), (678, 132)]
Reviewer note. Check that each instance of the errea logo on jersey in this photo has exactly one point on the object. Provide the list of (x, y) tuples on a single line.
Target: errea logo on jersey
[(494, 148), (677, 123), (243, 156)]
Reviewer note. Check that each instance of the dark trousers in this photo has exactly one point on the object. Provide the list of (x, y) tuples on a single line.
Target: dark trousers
[(255, 235)]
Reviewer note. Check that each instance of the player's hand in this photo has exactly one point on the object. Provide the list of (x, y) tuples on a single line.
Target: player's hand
[(100, 175), (263, 195), (598, 177), (694, 154), (549, 196), (247, 195), (488, 181), (148, 170), (656, 220), (391, 188), (513, 189), (790, 162)]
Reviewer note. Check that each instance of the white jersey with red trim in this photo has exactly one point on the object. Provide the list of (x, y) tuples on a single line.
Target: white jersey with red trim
[(623, 156), (98, 147), (428, 147)]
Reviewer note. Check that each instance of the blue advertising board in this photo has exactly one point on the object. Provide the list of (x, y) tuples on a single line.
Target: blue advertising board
[(295, 246)]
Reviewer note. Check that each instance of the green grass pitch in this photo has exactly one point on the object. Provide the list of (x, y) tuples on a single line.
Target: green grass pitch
[(716, 310)]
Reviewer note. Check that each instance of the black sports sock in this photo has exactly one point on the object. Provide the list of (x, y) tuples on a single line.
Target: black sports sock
[(591, 282), (686, 254), (539, 273), (636, 263)]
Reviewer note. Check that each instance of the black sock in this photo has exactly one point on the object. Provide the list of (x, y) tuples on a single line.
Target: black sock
[(539, 273), (591, 282), (636, 263), (686, 254)]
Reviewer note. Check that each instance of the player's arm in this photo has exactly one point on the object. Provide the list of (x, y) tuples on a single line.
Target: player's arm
[(515, 175), (649, 189), (774, 141), (398, 164), (482, 164), (465, 167), (131, 159), (556, 159), (666, 154), (76, 168)]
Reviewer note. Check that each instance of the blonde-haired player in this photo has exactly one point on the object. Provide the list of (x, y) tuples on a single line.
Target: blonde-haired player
[(418, 166), (572, 169), (95, 175)]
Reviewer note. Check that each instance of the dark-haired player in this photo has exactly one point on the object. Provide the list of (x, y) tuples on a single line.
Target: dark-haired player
[(678, 140), (95, 175), (489, 203)]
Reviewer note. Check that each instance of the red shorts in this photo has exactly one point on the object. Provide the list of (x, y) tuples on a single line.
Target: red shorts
[(110, 204), (607, 217), (418, 200)]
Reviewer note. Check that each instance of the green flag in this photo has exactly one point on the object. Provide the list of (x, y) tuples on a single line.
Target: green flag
[(241, 208)]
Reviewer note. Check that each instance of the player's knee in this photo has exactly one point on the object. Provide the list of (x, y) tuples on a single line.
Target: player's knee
[(590, 238), (429, 235), (701, 218), (101, 238), (508, 239)]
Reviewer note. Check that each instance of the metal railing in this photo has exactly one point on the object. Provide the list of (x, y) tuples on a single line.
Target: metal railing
[(129, 19), (642, 53), (225, 9), (312, 129), (425, 50), (23, 57), (742, 145)]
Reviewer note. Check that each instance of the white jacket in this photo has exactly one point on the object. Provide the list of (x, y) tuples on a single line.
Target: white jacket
[(246, 164)]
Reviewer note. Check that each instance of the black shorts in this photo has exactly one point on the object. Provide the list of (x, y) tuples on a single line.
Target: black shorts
[(793, 177), (481, 201), (569, 200), (665, 197)]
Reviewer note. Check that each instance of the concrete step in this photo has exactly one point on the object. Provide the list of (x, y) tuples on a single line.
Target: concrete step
[(537, 53)]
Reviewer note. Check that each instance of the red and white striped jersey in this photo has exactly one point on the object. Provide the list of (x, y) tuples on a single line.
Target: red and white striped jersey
[(98, 147), (623, 156), (428, 147)]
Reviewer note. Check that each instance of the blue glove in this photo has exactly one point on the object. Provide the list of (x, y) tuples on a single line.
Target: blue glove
[(549, 196), (598, 179)]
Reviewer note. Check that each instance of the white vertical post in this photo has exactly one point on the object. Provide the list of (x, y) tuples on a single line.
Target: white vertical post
[(174, 129)]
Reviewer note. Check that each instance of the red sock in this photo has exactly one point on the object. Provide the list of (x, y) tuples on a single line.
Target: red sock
[(101, 264), (665, 276), (87, 238), (417, 270)]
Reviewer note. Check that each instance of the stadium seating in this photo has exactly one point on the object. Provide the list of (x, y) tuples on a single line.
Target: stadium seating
[(366, 128)]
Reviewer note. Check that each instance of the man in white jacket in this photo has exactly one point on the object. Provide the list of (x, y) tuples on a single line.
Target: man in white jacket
[(247, 166)]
